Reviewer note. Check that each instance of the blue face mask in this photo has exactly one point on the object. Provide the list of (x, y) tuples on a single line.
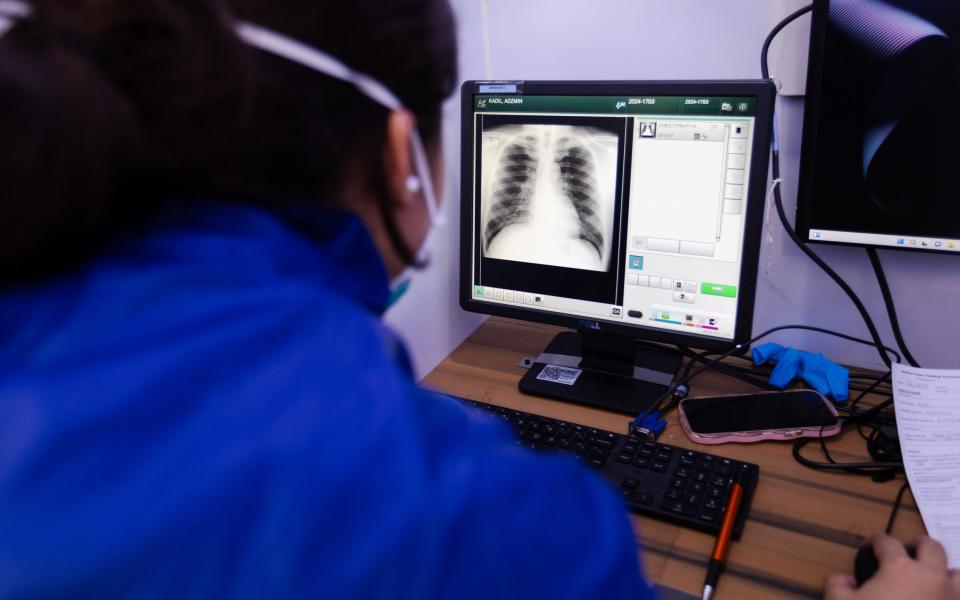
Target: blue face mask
[(307, 56)]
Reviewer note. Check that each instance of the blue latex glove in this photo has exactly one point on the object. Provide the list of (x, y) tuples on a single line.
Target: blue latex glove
[(824, 375)]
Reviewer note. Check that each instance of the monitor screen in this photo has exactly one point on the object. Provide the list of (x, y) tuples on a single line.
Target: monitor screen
[(878, 162), (635, 205)]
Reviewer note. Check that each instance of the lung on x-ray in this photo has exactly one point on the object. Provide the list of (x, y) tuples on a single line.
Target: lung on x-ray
[(547, 194)]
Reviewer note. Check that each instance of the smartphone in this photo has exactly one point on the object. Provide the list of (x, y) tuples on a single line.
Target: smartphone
[(758, 417)]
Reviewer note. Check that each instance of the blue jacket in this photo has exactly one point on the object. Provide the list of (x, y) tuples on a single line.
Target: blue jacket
[(213, 408)]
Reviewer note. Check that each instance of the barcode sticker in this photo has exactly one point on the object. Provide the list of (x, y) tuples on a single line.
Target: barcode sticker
[(562, 375)]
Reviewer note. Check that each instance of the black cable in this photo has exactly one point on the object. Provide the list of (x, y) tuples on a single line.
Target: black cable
[(695, 357), (859, 468), (773, 33), (879, 470), (869, 389), (878, 343), (637, 422), (741, 373), (888, 302), (764, 68), (896, 505)]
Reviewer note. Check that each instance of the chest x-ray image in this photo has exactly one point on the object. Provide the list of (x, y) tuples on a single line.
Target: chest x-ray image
[(547, 194)]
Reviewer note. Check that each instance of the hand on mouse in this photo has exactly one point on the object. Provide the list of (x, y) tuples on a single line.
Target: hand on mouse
[(899, 576)]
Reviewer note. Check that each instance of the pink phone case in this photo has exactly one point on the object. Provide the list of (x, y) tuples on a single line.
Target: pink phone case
[(746, 437)]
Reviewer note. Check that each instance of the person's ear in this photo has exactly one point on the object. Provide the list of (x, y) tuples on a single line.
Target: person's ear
[(402, 185)]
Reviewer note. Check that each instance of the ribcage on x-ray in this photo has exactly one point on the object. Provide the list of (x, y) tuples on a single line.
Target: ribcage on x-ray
[(547, 194), (579, 184), (513, 187)]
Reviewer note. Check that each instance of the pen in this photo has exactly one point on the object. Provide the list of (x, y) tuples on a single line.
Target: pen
[(719, 556)]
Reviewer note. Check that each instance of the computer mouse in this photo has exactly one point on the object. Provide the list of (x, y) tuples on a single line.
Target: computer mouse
[(865, 563)]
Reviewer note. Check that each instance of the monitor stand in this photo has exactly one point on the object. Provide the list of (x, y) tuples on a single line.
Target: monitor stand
[(604, 370)]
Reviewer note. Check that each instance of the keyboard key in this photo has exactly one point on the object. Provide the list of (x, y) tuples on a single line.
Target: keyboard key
[(709, 516), (678, 507), (655, 479), (608, 435)]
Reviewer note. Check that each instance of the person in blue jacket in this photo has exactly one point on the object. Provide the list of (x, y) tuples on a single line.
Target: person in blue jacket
[(205, 216)]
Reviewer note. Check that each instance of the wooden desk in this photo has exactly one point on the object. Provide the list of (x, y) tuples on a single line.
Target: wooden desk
[(804, 524)]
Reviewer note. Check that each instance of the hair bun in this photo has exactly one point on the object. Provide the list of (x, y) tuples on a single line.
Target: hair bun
[(96, 97), (68, 139)]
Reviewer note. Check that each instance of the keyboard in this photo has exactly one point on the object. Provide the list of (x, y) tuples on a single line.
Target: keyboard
[(665, 482)]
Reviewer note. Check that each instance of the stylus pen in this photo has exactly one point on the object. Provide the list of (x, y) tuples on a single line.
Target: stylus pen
[(719, 556)]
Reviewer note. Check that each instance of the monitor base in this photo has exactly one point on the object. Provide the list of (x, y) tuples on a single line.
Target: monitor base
[(601, 370)]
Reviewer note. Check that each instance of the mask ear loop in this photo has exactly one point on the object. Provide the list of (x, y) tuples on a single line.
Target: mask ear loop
[(307, 56)]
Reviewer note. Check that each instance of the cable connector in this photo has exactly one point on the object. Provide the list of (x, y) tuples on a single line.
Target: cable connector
[(680, 392), (649, 426)]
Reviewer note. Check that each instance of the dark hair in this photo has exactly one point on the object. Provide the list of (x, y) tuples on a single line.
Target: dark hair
[(109, 107)]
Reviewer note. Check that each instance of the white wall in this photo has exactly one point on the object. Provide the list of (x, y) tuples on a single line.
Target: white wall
[(684, 39)]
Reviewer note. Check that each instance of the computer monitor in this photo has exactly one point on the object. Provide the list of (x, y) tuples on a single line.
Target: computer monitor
[(624, 210), (878, 161)]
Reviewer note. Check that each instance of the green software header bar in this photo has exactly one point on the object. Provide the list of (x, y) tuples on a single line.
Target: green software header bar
[(638, 105)]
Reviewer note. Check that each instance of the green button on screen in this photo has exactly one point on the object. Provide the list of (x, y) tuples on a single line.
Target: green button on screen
[(717, 289)]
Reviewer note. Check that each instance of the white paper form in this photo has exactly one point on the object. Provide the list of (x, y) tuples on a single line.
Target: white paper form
[(928, 423)]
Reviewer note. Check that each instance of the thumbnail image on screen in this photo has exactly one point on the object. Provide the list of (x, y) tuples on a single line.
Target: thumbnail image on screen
[(547, 191)]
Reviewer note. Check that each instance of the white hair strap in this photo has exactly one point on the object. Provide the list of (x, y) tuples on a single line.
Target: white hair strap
[(295, 51)]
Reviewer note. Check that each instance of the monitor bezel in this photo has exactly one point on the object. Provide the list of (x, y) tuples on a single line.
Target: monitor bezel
[(765, 93), (819, 21)]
